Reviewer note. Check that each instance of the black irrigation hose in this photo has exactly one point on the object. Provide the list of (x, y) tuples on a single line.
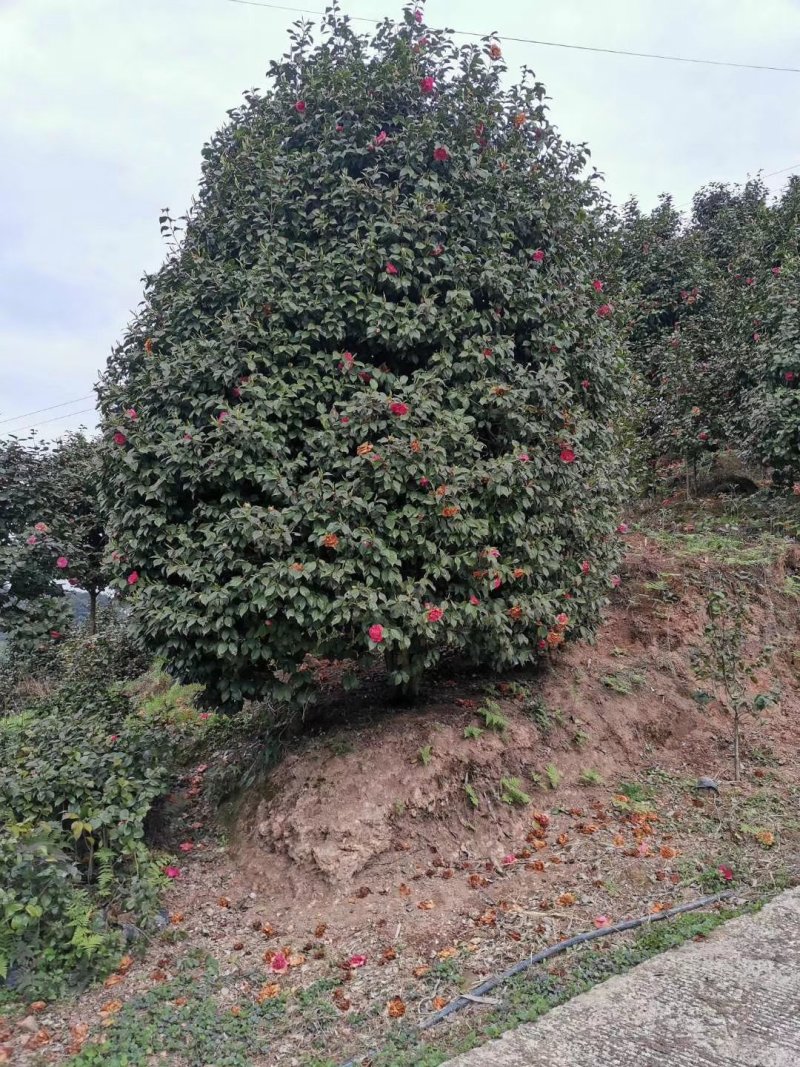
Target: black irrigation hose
[(554, 950)]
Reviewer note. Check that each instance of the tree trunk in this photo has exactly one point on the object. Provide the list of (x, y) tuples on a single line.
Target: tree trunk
[(737, 766), (406, 661), (93, 612)]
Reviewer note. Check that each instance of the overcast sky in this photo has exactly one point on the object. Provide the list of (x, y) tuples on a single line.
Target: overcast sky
[(105, 104)]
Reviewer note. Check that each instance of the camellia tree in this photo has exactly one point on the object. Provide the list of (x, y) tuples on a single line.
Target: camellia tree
[(370, 400), (51, 531)]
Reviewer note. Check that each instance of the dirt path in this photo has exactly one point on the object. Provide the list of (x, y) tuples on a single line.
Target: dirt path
[(731, 1000)]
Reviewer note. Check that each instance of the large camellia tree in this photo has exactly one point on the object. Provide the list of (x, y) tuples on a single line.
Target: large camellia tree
[(370, 400)]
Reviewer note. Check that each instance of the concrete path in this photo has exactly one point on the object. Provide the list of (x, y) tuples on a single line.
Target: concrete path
[(731, 1001)]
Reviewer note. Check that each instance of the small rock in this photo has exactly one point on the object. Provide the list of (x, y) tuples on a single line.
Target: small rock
[(707, 784)]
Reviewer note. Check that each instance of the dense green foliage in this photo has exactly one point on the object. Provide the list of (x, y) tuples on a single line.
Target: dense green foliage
[(51, 528), (713, 328), (375, 388), (80, 771)]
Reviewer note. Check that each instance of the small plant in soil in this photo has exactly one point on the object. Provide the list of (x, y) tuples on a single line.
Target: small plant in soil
[(553, 775), (591, 777), (512, 792), (724, 663), (493, 717), (472, 795), (472, 733), (425, 755)]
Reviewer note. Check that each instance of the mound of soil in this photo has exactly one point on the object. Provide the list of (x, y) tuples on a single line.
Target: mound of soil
[(347, 813)]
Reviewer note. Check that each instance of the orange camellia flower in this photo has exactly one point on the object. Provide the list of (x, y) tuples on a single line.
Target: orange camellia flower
[(515, 612), (450, 512), (479, 574), (520, 120), (364, 449), (555, 639), (297, 568), (441, 490), (416, 446), (330, 540), (148, 346), (519, 572)]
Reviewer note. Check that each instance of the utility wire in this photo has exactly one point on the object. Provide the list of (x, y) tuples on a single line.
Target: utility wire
[(35, 425), (38, 411), (546, 44)]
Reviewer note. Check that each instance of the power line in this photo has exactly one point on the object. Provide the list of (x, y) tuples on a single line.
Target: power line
[(546, 44), (57, 418), (38, 411)]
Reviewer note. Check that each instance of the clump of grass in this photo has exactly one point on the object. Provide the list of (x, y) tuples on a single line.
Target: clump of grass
[(512, 792)]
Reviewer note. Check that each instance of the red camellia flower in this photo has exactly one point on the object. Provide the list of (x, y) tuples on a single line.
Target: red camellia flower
[(172, 872), (55, 634), (279, 963), (726, 872), (357, 961), (437, 250), (497, 582), (440, 154), (776, 271), (567, 455), (538, 256), (435, 615), (32, 539), (487, 353), (542, 645), (120, 438), (597, 285), (236, 392), (133, 578), (474, 600), (585, 383), (789, 376), (131, 413), (300, 107), (339, 127), (346, 361), (703, 435), (186, 846), (601, 921), (623, 528), (391, 268), (585, 567), (375, 633), (427, 84), (382, 138), (509, 860), (397, 407), (344, 420), (41, 527), (424, 482), (62, 563), (604, 311)]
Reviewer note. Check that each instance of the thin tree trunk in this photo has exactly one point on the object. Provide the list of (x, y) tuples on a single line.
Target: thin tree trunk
[(737, 767), (93, 612)]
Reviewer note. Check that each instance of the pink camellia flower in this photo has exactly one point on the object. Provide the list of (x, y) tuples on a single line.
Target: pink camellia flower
[(435, 615), (347, 361), (236, 392), (120, 438), (643, 851), (344, 420), (112, 740), (756, 336), (357, 961), (440, 154), (487, 353), (73, 582), (597, 285), (497, 582), (585, 383), (424, 482), (474, 600), (523, 457), (375, 633), (703, 435), (585, 567), (438, 250), (382, 138), (567, 455), (493, 553), (222, 416), (776, 271), (616, 581), (300, 107), (55, 634), (623, 528), (133, 578), (749, 281), (605, 310), (131, 413), (509, 860), (32, 539), (397, 407), (391, 268), (41, 527), (602, 921), (187, 437), (427, 84), (186, 846), (339, 127), (204, 715), (562, 619), (62, 563), (279, 963), (726, 872), (418, 16), (172, 872), (789, 376), (538, 256)]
